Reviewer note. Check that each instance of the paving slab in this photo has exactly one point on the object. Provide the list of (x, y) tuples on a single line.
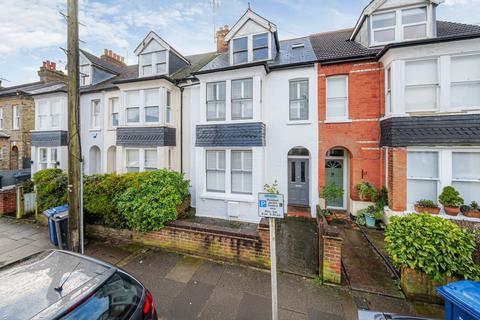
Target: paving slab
[(223, 304), (184, 269), (191, 300)]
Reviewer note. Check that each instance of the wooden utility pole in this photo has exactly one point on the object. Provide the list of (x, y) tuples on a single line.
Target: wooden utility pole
[(74, 149)]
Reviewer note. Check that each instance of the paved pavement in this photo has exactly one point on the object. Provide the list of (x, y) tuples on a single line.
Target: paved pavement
[(190, 288)]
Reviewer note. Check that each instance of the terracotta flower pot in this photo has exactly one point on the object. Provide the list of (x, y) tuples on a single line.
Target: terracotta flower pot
[(420, 209), (452, 211), (472, 214)]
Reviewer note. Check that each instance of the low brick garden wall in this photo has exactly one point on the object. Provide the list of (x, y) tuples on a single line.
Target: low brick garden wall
[(330, 251), (8, 201), (249, 247)]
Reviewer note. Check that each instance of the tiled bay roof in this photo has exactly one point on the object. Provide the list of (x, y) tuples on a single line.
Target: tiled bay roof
[(32, 88)]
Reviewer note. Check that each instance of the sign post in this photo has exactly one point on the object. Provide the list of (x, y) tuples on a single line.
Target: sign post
[(271, 206)]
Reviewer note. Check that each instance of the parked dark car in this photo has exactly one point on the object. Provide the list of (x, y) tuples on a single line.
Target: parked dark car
[(57, 284), (378, 315)]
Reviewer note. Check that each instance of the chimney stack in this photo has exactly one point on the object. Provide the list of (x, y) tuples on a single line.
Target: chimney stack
[(222, 46), (113, 58), (48, 72)]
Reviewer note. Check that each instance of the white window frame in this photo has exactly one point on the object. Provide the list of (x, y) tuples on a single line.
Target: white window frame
[(297, 82), (216, 101), (147, 167), (241, 99), (402, 27), (48, 116), (388, 90), (112, 111), (85, 78), (139, 161), (139, 107), (346, 98), (399, 25), (142, 165), (16, 117), (436, 84), (1, 153), (168, 107), (50, 161), (154, 63), (1, 117), (144, 106), (94, 115), (260, 48), (414, 178), (216, 169), (242, 171), (452, 83)]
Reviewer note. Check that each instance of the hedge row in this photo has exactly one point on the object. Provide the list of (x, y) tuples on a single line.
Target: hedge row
[(140, 201)]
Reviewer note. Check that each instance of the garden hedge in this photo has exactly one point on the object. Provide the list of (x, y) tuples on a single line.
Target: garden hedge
[(140, 201), (431, 244)]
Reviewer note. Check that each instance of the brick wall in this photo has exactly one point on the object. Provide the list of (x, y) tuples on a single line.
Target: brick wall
[(8, 201), (20, 138), (216, 243), (397, 179), (361, 136), (330, 251)]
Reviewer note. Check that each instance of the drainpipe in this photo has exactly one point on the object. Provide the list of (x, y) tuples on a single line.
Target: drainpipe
[(181, 129)]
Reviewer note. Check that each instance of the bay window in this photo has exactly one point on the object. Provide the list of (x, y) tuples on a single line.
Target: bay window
[(422, 176), (298, 96), (114, 107), (241, 170), (47, 158), (152, 105), (55, 114), (421, 85), (465, 81), (168, 107), (216, 101), (388, 90), (260, 46), (242, 99), (337, 98), (95, 114), (48, 115), (150, 160), (215, 170), (240, 50), (132, 106), (466, 175), (139, 160)]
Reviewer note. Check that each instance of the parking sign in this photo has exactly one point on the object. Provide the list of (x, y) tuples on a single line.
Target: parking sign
[(270, 205)]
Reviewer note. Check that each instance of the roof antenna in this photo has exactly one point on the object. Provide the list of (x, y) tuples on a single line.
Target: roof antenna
[(60, 287), (249, 5), (214, 4)]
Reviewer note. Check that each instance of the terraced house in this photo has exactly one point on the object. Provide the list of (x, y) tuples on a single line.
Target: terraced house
[(393, 101)]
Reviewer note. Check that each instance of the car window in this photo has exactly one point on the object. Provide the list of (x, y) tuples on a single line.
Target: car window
[(117, 299)]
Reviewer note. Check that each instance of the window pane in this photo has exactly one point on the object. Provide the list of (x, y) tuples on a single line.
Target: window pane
[(415, 32), (302, 171), (466, 165), (151, 114), (133, 115), (161, 56), (152, 97), (211, 160), (422, 164), (169, 98), (114, 105), (465, 68), (161, 68), (216, 181), (236, 160), (336, 108), (132, 99), (211, 89), (221, 160), (237, 89), (237, 85), (421, 189), (151, 158), (132, 158), (242, 109), (414, 15), (53, 155), (260, 54), (292, 171), (43, 155), (240, 57), (384, 35), (469, 191), (240, 44), (114, 119), (421, 72), (260, 40), (465, 95), (336, 87), (383, 20), (147, 70), (420, 98), (147, 58)]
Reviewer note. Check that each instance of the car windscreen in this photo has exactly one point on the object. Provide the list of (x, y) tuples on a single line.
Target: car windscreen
[(117, 299)]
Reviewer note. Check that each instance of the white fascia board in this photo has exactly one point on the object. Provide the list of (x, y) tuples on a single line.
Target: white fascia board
[(250, 15)]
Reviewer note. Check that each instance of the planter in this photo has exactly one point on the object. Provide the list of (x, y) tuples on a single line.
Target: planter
[(452, 211), (472, 214), (428, 210), (370, 221), (417, 285)]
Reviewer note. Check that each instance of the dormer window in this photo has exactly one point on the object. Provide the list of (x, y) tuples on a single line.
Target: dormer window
[(260, 46), (399, 25), (146, 64), (154, 63), (161, 62), (240, 50)]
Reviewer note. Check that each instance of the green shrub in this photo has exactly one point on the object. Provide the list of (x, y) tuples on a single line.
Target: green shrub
[(450, 197), (51, 188), (367, 191), (433, 245), (425, 203), (151, 203), (371, 211), (331, 192)]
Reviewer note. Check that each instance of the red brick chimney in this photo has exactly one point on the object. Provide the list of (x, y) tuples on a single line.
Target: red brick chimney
[(113, 58), (222, 46), (48, 72)]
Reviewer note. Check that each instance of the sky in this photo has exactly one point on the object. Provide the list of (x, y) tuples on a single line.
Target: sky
[(32, 31)]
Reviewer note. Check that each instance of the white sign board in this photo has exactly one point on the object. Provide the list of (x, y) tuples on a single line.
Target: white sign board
[(270, 205)]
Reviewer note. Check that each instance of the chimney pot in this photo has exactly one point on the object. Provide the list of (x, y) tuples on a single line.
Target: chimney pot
[(45, 64), (54, 66), (222, 46), (110, 53), (105, 52)]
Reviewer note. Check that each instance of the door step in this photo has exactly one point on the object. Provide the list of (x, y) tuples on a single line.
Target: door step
[(299, 211)]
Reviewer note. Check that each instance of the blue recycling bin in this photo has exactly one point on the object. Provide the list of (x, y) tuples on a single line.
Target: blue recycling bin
[(462, 300), (50, 214)]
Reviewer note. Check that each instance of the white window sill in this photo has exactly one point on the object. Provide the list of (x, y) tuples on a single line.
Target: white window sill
[(94, 129), (337, 121), (298, 122), (227, 197)]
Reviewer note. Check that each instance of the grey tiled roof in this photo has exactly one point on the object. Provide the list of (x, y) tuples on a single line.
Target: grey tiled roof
[(286, 56), (32, 88), (448, 29), (250, 134), (102, 63)]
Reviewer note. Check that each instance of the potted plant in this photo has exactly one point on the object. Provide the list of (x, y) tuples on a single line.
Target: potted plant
[(451, 200), (471, 211), (330, 192), (425, 205), (369, 216), (366, 191)]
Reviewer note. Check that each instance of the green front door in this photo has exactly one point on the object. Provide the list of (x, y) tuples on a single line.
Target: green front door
[(334, 174)]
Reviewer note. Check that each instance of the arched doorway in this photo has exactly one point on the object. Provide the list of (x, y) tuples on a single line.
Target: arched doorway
[(14, 158), (298, 176), (95, 160), (112, 159), (336, 164)]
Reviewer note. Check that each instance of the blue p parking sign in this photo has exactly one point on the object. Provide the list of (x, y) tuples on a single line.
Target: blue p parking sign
[(270, 205), (262, 203)]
